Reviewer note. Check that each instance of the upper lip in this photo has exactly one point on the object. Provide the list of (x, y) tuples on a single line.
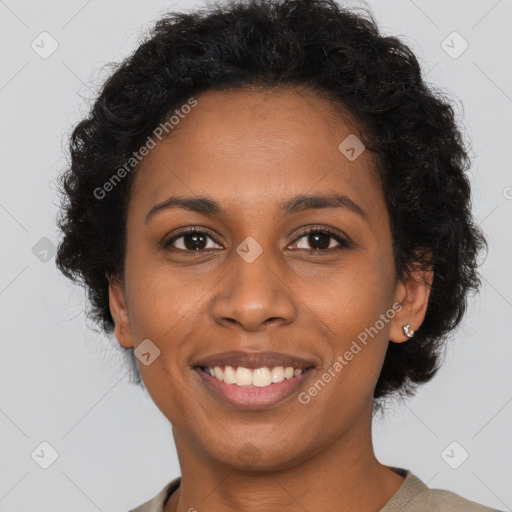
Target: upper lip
[(254, 360)]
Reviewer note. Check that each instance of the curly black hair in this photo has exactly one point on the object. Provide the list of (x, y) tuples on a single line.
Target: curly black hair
[(336, 52)]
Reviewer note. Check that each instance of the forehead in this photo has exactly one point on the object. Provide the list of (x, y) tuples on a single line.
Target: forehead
[(251, 145)]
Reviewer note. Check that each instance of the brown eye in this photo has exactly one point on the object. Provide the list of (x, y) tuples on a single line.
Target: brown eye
[(192, 240), (321, 240)]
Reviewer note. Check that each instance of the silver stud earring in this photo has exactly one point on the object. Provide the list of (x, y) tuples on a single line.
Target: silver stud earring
[(408, 331)]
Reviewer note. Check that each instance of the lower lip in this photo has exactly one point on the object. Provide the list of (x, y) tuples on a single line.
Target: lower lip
[(253, 397)]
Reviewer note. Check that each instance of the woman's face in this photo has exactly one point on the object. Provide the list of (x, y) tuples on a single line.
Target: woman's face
[(260, 284)]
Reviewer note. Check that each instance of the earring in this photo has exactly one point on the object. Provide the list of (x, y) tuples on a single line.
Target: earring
[(408, 331)]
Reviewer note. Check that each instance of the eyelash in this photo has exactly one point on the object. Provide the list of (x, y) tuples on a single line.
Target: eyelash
[(344, 244)]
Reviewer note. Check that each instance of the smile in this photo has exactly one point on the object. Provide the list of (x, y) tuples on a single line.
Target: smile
[(259, 377), (258, 388)]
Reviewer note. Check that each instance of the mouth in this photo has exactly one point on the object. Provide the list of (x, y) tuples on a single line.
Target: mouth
[(253, 380), (252, 360), (259, 377)]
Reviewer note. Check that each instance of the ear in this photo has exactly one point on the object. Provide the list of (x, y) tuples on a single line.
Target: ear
[(119, 312), (412, 291)]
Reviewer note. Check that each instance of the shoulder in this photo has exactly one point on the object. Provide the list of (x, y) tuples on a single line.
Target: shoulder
[(157, 503), (415, 496), (448, 501)]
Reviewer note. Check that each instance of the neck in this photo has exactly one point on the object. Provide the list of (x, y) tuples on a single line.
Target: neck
[(344, 476)]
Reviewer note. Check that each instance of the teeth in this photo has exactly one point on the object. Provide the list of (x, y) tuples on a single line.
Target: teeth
[(229, 376), (243, 376), (260, 377), (278, 374), (288, 372), (218, 372)]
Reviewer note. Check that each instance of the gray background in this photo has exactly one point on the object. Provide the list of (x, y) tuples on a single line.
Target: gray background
[(65, 384)]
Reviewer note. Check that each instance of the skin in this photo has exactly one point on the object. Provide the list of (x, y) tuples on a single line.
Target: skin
[(250, 150)]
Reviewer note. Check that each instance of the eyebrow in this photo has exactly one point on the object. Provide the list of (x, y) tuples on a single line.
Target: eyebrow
[(295, 204)]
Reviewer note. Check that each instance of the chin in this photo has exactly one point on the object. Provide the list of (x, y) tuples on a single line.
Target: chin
[(260, 456)]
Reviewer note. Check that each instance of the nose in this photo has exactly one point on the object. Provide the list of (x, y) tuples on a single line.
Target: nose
[(254, 295)]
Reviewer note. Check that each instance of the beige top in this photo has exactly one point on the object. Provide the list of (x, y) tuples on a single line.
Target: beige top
[(412, 496)]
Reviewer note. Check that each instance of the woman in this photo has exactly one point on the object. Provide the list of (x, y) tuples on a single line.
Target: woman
[(271, 211)]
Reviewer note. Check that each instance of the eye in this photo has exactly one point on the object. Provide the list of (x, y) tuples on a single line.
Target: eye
[(190, 241), (321, 239)]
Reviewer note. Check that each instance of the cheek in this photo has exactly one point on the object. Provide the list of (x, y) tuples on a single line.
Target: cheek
[(164, 305), (161, 297), (351, 298), (354, 305)]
